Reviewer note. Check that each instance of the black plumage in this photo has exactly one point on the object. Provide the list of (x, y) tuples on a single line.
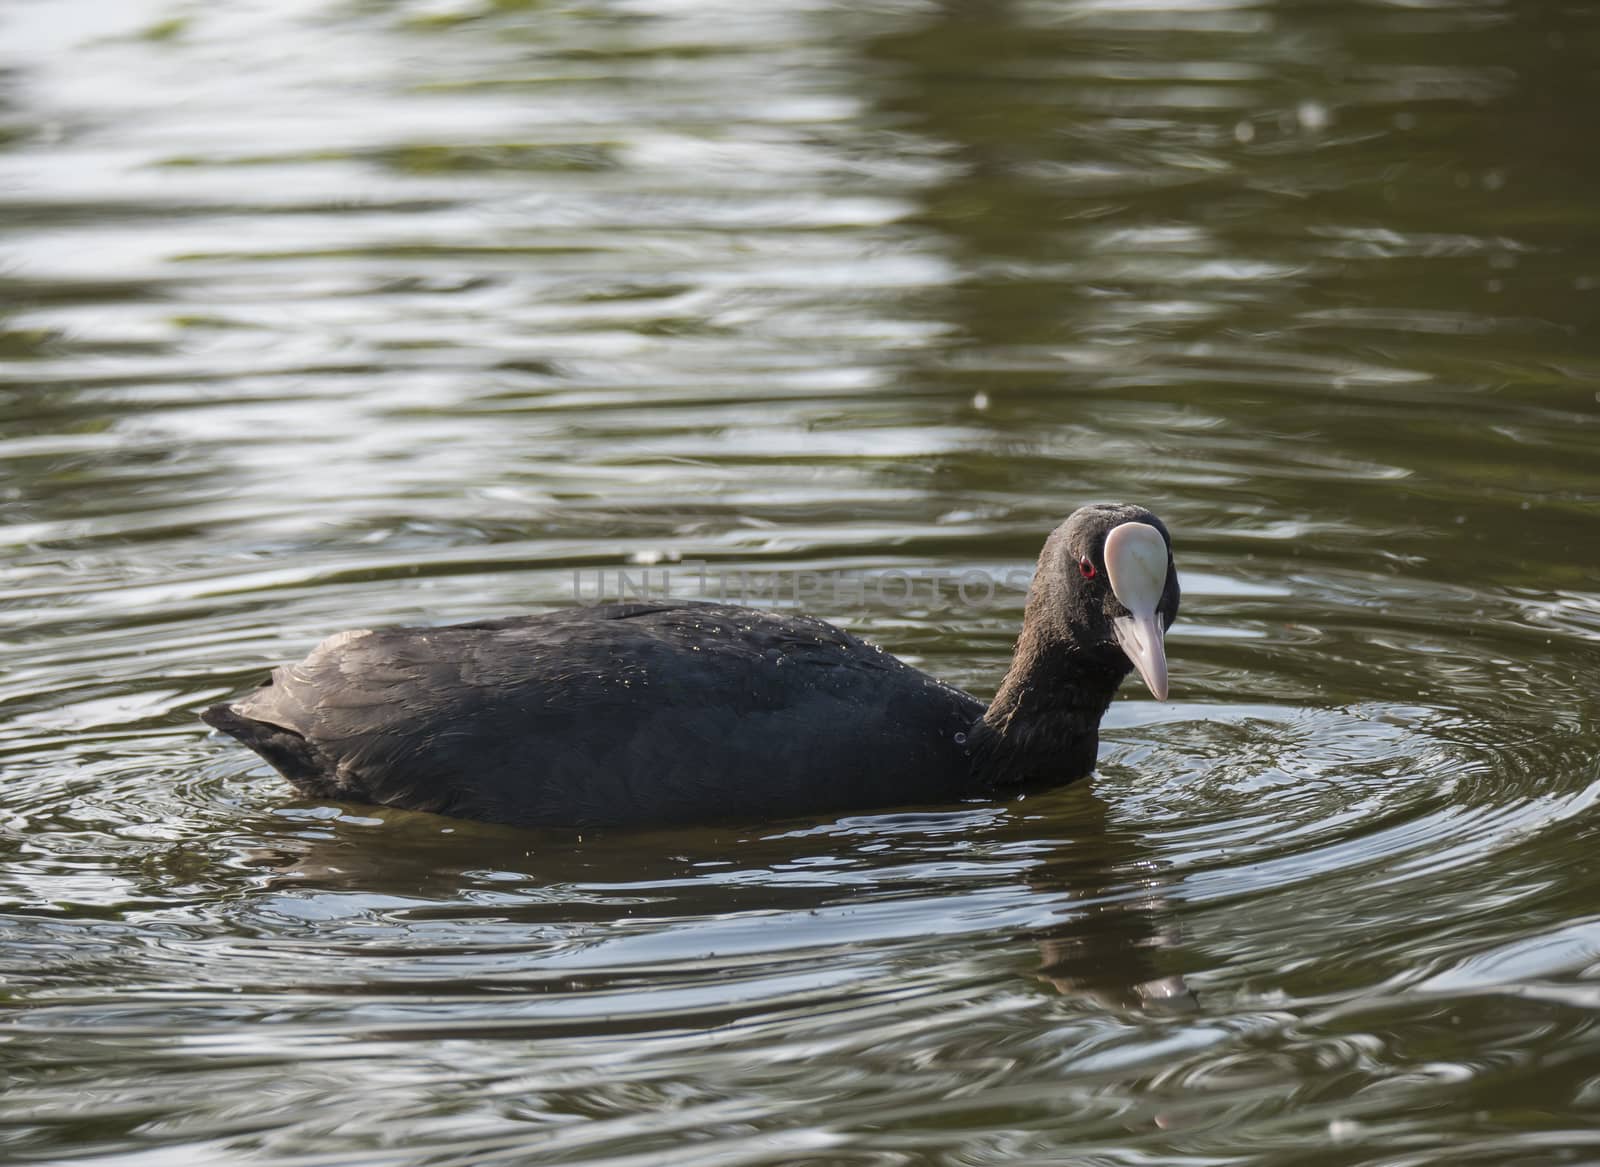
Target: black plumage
[(635, 714)]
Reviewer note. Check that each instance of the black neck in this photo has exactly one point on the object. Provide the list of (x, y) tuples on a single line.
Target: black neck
[(1044, 723)]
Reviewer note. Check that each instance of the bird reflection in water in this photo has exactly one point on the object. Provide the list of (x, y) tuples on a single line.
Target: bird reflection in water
[(1097, 921), (1116, 941)]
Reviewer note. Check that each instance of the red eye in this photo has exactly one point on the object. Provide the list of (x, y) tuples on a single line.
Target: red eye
[(1086, 567)]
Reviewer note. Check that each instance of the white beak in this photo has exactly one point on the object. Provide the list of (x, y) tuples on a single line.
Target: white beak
[(1136, 562)]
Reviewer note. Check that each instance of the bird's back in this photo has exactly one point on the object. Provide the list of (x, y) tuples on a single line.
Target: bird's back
[(622, 714)]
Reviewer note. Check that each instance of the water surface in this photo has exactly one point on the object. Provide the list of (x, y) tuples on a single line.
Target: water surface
[(322, 315)]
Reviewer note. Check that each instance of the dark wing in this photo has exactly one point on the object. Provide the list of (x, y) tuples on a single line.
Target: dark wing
[(645, 713)]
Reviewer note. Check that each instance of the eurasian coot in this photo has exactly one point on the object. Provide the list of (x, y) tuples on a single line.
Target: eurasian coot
[(675, 712)]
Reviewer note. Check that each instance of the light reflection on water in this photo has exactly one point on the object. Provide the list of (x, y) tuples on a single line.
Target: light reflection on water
[(323, 315)]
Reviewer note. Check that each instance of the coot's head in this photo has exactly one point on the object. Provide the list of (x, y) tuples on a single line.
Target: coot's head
[(1106, 585)]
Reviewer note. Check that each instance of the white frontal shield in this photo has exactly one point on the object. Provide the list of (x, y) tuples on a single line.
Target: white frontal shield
[(1136, 562)]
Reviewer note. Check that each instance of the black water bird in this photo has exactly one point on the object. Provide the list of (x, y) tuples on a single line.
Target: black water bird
[(676, 712)]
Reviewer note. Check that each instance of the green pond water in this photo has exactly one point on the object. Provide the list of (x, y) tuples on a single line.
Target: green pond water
[(320, 314)]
